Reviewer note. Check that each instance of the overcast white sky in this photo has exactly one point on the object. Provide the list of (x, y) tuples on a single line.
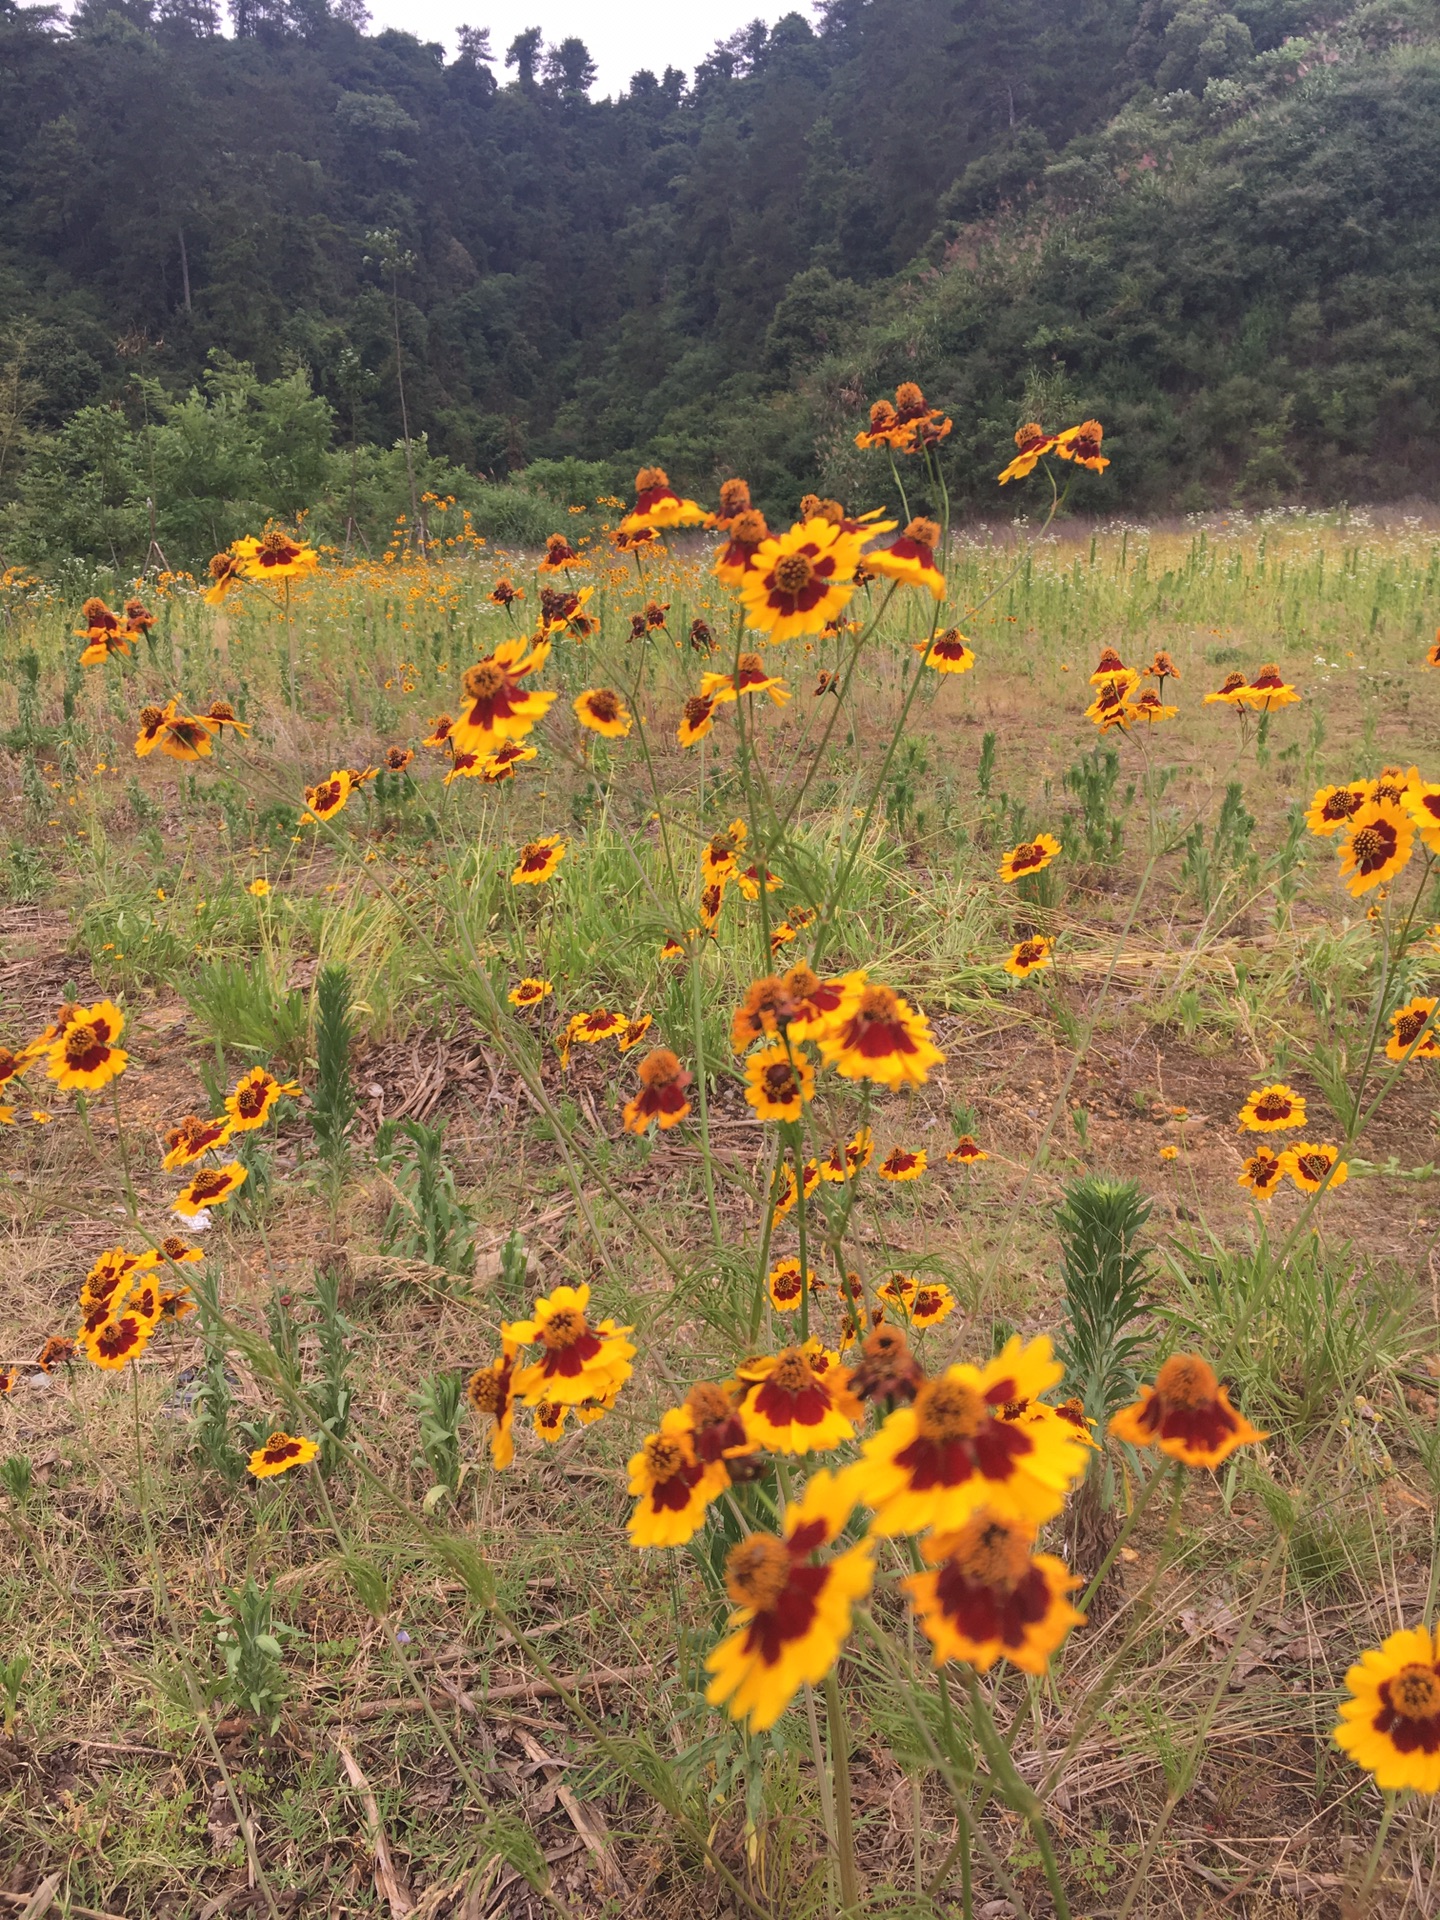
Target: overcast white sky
[(622, 35)]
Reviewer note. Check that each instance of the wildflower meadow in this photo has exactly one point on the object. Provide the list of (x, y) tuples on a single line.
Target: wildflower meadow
[(733, 1219)]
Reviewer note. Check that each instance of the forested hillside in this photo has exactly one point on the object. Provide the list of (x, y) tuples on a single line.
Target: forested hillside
[(236, 267)]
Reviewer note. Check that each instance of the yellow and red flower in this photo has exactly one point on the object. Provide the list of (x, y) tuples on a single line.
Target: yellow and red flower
[(875, 1035), (1413, 1033), (1230, 693), (1032, 443), (529, 992), (793, 1613), (327, 797), (903, 1163), (275, 556), (911, 558), (255, 1095), (948, 652), (788, 1285), (538, 861), (787, 1190), (1082, 445), (193, 1138), (1268, 690), (579, 1362), (1379, 839), (1272, 1110), (798, 581), (1031, 856), (990, 1598), (280, 1454), (1262, 1173), (498, 706), (489, 1393), (1186, 1414), (225, 574), (671, 1485), (748, 533), (208, 1187), (935, 1463), (589, 1029), (559, 554), (1312, 1166), (603, 712), (1029, 956), (789, 1407), (179, 736), (658, 505), (85, 1057), (718, 862), (113, 1342), (966, 1151), (1390, 1725), (440, 730), (750, 678), (1422, 802), (779, 1081), (931, 1302), (664, 1092), (697, 718), (1333, 807)]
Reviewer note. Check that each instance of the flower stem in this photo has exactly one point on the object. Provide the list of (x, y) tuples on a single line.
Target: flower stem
[(844, 1813)]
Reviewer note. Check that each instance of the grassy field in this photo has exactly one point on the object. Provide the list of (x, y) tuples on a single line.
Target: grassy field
[(399, 1680)]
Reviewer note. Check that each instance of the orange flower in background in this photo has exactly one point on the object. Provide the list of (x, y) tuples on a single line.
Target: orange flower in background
[(911, 558), (397, 759), (505, 593), (497, 705), (663, 1097), (1031, 856), (658, 505), (538, 861), (751, 678), (1378, 841), (84, 1057), (798, 581), (1082, 445), (603, 712), (1032, 443), (559, 554), (280, 1453), (948, 652), (105, 632), (875, 1035), (907, 425), (1186, 1414), (440, 730)]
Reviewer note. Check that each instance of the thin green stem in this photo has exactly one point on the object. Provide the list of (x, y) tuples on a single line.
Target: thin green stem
[(844, 1813)]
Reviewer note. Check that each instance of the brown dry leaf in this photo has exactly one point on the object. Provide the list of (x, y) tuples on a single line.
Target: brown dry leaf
[(389, 1881)]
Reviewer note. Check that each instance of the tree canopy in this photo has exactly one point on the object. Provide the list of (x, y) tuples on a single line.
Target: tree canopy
[(1214, 225)]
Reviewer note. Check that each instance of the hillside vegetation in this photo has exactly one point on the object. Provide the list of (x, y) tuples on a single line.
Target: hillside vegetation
[(236, 269)]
